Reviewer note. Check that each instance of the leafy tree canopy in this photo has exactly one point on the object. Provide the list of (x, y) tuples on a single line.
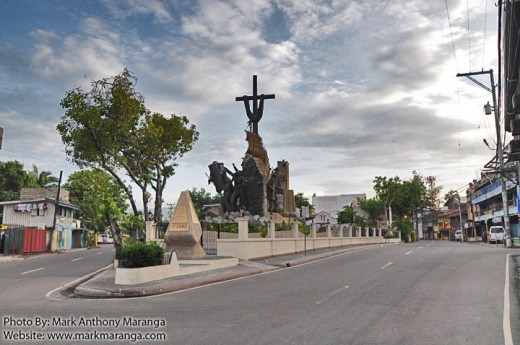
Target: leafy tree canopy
[(42, 179), (301, 200), (375, 208), (109, 127), (201, 197), (403, 196), (346, 215), (12, 179), (101, 199)]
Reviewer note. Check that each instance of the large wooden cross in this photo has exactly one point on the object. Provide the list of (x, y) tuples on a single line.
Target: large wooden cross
[(258, 109)]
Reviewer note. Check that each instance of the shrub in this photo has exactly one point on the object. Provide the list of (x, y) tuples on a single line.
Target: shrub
[(139, 254), (304, 229)]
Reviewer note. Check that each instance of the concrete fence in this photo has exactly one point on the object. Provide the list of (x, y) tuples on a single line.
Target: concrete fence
[(247, 248)]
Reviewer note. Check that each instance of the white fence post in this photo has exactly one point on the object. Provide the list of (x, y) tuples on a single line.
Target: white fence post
[(243, 228), (313, 230)]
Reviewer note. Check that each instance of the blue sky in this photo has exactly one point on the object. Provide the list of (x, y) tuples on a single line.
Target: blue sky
[(363, 88)]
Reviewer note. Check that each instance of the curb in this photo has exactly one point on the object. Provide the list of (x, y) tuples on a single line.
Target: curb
[(87, 292), (316, 257)]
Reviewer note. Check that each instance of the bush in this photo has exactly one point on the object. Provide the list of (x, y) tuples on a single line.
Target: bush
[(139, 254), (258, 228), (304, 229)]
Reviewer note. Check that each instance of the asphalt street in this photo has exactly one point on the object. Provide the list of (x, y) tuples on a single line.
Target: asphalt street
[(421, 293)]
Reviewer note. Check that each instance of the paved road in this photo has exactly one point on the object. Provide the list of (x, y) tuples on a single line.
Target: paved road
[(422, 293), (24, 282)]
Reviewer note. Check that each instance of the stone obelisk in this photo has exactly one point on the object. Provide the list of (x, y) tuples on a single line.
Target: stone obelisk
[(184, 231)]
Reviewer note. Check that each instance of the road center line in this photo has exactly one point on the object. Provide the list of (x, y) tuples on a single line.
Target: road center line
[(333, 293), (385, 266), (99, 253), (408, 252), (41, 268), (76, 259), (508, 337)]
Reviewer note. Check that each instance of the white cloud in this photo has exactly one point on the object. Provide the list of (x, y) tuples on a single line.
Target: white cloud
[(123, 8)]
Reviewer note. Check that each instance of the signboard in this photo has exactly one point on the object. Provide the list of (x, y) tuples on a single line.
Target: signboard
[(518, 198), (516, 241), (305, 212)]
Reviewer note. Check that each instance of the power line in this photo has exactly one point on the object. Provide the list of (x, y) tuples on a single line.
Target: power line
[(469, 35), (484, 38), (451, 33)]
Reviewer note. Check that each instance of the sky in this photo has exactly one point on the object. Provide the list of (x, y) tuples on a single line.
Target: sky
[(363, 88)]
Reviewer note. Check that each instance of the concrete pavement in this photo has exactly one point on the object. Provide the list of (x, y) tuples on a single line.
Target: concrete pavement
[(103, 285)]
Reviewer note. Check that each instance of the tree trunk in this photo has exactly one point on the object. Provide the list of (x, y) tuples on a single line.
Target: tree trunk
[(115, 229)]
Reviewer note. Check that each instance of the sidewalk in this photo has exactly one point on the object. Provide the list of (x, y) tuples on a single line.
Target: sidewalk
[(103, 284)]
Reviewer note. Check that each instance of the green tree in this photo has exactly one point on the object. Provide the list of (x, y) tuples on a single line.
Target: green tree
[(301, 200), (433, 192), (133, 225), (374, 207), (451, 196), (42, 179), (109, 127), (387, 190), (101, 200), (346, 215), (403, 196), (201, 197), (12, 179), (405, 226)]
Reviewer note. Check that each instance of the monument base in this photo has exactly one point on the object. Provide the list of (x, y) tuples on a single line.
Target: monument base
[(184, 246)]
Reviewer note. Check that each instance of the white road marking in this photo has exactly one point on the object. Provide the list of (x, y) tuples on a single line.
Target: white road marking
[(76, 259), (332, 294), (408, 252), (385, 266), (41, 268), (84, 278), (99, 253), (508, 338)]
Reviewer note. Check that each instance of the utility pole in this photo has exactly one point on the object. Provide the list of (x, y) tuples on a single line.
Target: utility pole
[(500, 149)]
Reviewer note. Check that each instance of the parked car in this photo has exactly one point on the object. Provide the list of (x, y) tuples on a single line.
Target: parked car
[(496, 234), (105, 239), (458, 235), (109, 238)]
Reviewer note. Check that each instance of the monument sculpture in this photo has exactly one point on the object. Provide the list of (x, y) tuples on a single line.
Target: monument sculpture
[(256, 189)]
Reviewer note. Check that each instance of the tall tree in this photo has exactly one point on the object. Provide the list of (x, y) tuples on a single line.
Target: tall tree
[(451, 197), (433, 192), (404, 196), (374, 208), (42, 179), (101, 200), (12, 179), (109, 127), (346, 215)]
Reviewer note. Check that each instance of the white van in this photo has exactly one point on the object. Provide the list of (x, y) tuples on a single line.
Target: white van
[(496, 234)]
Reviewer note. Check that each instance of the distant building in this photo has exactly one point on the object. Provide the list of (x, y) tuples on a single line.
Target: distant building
[(334, 203)]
